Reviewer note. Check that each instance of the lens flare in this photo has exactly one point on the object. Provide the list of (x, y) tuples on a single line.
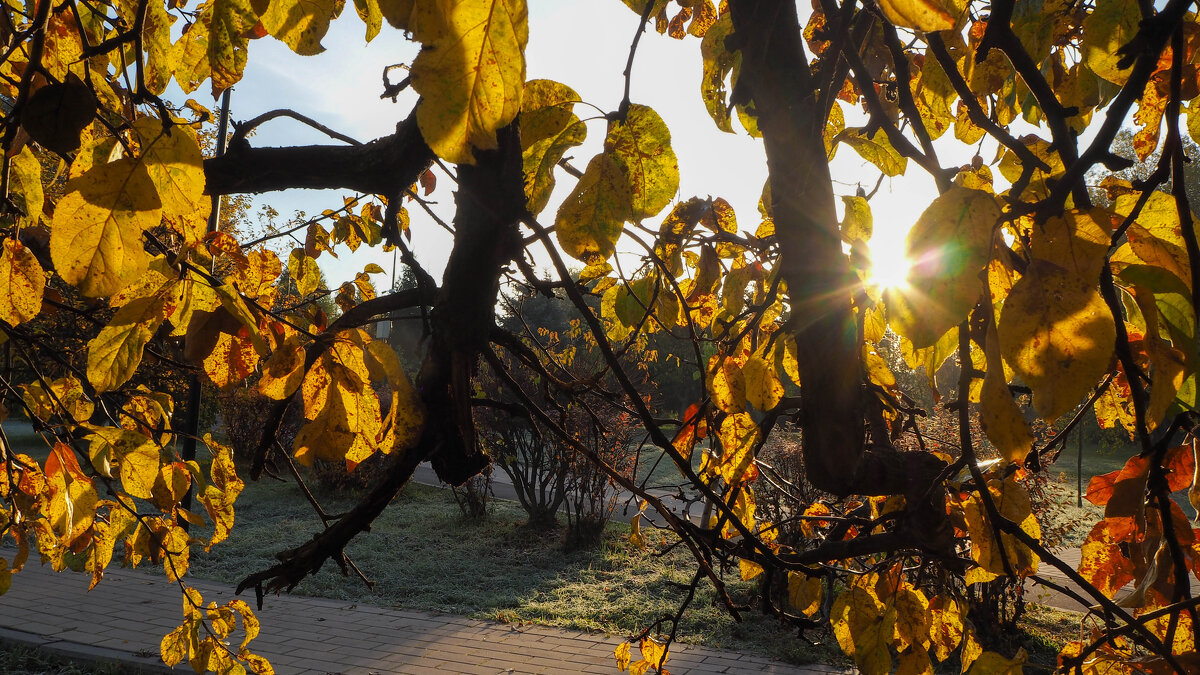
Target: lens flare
[(889, 268)]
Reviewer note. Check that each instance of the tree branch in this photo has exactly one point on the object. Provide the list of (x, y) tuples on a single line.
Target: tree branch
[(385, 166)]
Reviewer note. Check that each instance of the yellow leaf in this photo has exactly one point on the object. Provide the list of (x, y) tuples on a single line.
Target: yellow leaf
[(970, 651), (231, 24), (22, 282), (72, 499), (174, 646), (875, 149), (834, 125), (300, 24), (175, 165), (232, 302), (623, 655), (912, 617), (727, 383), (304, 272), (1077, 241), (1012, 501), (857, 224), (805, 592), (232, 360), (176, 553), (25, 184), (914, 661), (257, 279), (991, 663), (283, 371), (470, 73), (115, 354), (719, 62), (864, 629), (748, 569), (999, 414), (548, 129), (654, 652), (1157, 237), (68, 401), (346, 427), (761, 382), (95, 237), (139, 469), (738, 435), (1057, 333), (924, 15), (948, 248), (250, 623), (190, 53), (641, 146), (371, 15), (591, 218), (406, 416), (1110, 26), (156, 40)]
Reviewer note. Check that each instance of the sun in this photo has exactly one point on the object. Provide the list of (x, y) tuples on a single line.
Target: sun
[(889, 267)]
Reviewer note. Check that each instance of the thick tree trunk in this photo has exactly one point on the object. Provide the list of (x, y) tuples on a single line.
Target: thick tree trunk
[(775, 75)]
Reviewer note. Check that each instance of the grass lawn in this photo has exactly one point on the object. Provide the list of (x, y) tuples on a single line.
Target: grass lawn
[(16, 659), (424, 555)]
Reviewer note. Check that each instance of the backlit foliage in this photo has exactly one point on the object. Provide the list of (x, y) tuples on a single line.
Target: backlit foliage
[(1039, 303)]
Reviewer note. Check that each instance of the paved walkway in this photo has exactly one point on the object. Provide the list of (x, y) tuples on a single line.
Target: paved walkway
[(125, 617)]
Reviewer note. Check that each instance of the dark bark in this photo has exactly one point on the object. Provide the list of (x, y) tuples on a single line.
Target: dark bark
[(821, 284), (490, 204), (385, 166), (775, 75)]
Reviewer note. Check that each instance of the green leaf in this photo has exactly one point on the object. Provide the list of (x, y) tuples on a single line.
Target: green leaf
[(590, 220), (95, 237), (470, 73), (948, 248), (300, 24), (1058, 335), (641, 146), (877, 150), (548, 129)]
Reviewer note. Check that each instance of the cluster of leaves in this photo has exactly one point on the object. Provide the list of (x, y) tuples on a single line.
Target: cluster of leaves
[(1049, 305)]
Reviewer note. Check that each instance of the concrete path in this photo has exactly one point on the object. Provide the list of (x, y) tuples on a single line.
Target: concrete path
[(125, 617)]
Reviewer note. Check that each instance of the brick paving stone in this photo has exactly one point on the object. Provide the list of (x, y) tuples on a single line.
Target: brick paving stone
[(126, 616)]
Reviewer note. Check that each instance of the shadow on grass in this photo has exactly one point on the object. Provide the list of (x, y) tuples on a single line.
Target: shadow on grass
[(423, 555)]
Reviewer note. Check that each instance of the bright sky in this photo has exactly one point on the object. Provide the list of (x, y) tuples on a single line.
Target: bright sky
[(582, 43)]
